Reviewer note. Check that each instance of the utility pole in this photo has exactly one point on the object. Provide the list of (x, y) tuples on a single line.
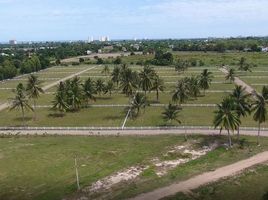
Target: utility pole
[(76, 173)]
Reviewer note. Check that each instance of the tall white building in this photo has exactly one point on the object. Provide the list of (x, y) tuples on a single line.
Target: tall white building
[(104, 39), (90, 39)]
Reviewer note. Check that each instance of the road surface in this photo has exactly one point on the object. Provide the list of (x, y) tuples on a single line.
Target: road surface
[(205, 178)]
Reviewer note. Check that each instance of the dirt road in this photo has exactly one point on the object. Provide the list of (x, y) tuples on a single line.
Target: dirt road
[(204, 178)]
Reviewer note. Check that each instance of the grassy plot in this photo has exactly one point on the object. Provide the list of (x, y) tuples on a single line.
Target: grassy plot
[(42, 168), (213, 160), (250, 185), (106, 117)]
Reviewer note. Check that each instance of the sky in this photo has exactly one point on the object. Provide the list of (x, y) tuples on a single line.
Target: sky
[(43, 20)]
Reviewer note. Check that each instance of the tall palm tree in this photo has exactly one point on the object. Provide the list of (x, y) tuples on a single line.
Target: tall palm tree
[(260, 110), (230, 75), (194, 86), (100, 86), (59, 102), (146, 78), (181, 93), (116, 75), (171, 113), (128, 81), (158, 86), (106, 70), (89, 89), (242, 105), (74, 93), (138, 102), (226, 117), (20, 101), (34, 89), (109, 87), (205, 79)]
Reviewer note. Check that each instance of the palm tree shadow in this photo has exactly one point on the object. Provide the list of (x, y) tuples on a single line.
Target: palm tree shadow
[(20, 119), (56, 115)]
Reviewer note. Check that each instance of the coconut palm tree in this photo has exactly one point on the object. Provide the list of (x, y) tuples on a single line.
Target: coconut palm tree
[(260, 110), (205, 80), (59, 102), (20, 101), (158, 86), (106, 70), (146, 78), (116, 75), (226, 117), (128, 81), (100, 86), (34, 90), (194, 86), (74, 93), (181, 93), (89, 90), (242, 105), (138, 102), (230, 75), (109, 87), (171, 113)]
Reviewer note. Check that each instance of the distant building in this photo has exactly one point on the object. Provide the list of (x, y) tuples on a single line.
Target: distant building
[(264, 49), (89, 52), (90, 39), (104, 39), (12, 42)]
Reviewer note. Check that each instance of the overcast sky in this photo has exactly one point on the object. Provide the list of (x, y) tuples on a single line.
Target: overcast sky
[(77, 19)]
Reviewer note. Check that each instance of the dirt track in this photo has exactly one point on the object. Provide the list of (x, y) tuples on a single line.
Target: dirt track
[(204, 178)]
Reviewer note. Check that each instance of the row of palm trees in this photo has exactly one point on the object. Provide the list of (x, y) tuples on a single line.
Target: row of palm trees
[(241, 104), (23, 95), (191, 87)]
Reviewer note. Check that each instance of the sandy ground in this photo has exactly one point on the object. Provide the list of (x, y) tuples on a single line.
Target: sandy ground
[(204, 178), (47, 87)]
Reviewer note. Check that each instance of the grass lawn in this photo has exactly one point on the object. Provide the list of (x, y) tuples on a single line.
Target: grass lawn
[(42, 168), (252, 184), (106, 117), (215, 159)]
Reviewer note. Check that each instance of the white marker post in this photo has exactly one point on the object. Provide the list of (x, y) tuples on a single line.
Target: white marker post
[(77, 175)]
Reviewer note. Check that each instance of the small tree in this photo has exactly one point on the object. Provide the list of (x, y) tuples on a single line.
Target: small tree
[(171, 113), (33, 90), (138, 102), (260, 110), (158, 86), (205, 80), (89, 90), (109, 87), (100, 86), (226, 117), (20, 101), (106, 70), (230, 75)]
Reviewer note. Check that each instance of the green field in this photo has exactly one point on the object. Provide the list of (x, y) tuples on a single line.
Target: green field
[(43, 167), (219, 89)]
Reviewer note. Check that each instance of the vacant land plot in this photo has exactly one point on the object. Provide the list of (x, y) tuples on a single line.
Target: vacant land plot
[(43, 167)]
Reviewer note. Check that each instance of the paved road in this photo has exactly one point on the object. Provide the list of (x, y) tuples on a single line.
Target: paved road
[(204, 178), (126, 132), (6, 105)]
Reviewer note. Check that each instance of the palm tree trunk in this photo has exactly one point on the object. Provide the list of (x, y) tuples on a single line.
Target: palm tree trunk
[(23, 117), (258, 138), (238, 133), (34, 110), (229, 138), (157, 95)]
